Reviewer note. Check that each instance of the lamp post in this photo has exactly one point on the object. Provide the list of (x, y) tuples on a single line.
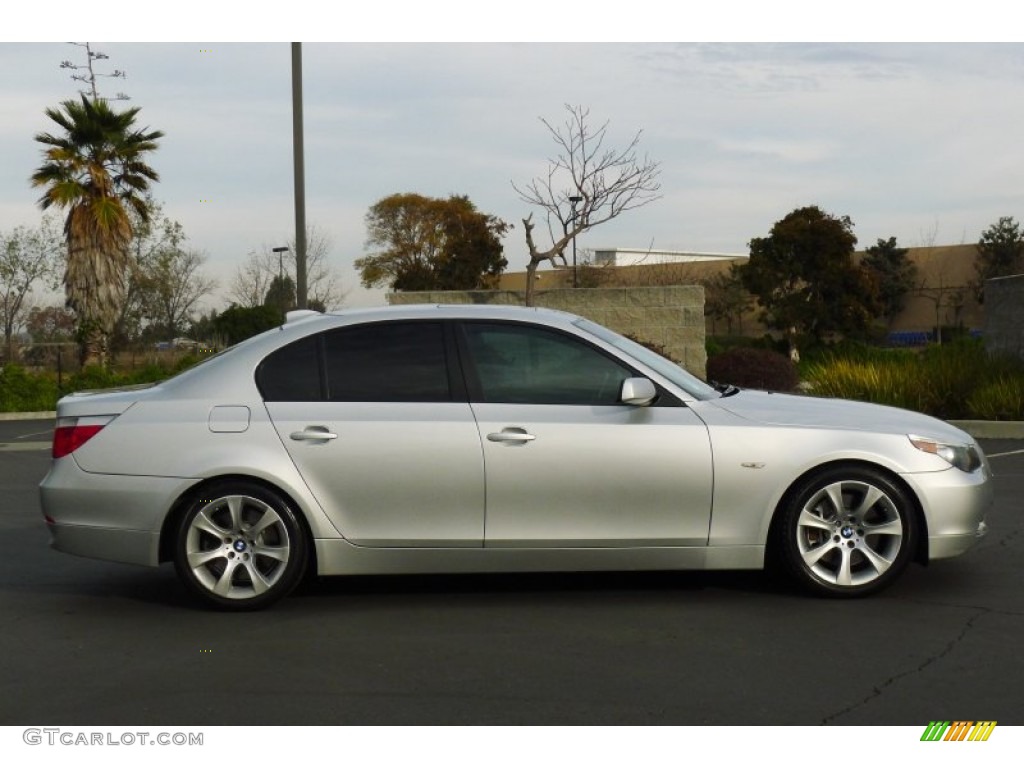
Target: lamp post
[(574, 199), (298, 151), (280, 251)]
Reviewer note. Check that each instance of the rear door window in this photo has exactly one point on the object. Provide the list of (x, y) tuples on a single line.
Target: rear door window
[(387, 362)]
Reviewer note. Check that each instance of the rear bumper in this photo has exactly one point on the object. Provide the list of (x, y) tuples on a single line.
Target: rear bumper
[(108, 517), (117, 544)]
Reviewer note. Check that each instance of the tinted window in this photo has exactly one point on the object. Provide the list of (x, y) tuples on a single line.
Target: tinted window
[(292, 373), (387, 362), (525, 364)]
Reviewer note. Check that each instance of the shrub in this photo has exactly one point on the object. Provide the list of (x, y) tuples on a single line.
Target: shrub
[(22, 391), (894, 382), (999, 400), (93, 377), (754, 368), (951, 381), (854, 351), (952, 372)]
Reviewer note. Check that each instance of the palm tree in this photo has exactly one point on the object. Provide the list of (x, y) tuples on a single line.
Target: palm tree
[(96, 171)]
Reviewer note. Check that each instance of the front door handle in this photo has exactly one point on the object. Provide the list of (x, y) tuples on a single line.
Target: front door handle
[(313, 433), (511, 435)]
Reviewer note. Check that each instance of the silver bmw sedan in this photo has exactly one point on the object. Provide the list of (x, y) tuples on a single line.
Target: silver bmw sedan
[(425, 439)]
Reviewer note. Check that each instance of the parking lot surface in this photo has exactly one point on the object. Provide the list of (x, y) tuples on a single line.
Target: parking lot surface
[(94, 643)]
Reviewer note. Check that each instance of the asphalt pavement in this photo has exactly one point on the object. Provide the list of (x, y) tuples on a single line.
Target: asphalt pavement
[(93, 643)]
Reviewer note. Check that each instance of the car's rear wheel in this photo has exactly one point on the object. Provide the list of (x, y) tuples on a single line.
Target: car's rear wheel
[(847, 531), (240, 546)]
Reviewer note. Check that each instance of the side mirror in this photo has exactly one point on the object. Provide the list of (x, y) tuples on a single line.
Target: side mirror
[(638, 391)]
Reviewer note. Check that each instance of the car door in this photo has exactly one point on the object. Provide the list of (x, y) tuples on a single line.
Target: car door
[(567, 465), (381, 432)]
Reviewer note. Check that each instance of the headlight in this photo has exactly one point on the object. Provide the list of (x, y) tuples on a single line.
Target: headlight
[(963, 457)]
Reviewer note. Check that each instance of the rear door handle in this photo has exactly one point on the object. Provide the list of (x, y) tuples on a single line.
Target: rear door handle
[(313, 433), (511, 435)]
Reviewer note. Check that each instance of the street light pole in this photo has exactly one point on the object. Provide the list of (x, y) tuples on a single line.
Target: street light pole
[(300, 178), (574, 199), (280, 251)]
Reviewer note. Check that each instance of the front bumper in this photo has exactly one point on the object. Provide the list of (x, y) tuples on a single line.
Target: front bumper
[(955, 504)]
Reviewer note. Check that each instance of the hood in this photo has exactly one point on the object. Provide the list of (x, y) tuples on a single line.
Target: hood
[(805, 411)]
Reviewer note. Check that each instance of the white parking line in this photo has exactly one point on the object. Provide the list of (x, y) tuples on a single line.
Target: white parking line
[(1005, 453), (33, 434)]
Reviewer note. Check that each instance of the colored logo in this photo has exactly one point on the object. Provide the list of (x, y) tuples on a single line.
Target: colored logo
[(958, 730)]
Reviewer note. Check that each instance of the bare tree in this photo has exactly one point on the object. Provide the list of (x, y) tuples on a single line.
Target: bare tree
[(172, 285), (28, 257), (90, 78), (152, 235), (942, 289), (323, 285), (254, 277), (585, 185), (165, 281), (943, 294)]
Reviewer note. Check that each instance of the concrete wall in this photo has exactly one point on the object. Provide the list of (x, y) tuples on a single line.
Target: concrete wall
[(670, 316), (1004, 315)]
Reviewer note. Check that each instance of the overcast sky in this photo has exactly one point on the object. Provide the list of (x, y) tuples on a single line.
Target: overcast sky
[(915, 141)]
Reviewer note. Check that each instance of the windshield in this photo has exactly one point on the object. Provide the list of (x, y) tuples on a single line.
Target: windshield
[(664, 367)]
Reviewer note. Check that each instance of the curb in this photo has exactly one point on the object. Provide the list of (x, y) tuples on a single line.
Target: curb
[(29, 416), (992, 430)]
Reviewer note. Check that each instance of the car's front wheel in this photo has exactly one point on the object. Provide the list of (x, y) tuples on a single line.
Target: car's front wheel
[(240, 546), (847, 531)]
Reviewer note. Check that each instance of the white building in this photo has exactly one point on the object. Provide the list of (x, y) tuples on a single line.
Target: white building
[(630, 257)]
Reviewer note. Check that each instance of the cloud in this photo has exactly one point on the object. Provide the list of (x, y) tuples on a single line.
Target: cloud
[(895, 135)]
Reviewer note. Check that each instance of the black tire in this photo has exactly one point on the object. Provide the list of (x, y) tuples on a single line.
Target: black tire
[(847, 531), (240, 547)]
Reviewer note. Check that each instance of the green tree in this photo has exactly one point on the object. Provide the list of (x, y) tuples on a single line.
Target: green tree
[(894, 274), (281, 294), (805, 280), (237, 323), (427, 243), (96, 169), (1000, 253)]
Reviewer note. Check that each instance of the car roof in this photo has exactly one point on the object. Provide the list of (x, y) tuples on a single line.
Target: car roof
[(247, 354), (489, 311)]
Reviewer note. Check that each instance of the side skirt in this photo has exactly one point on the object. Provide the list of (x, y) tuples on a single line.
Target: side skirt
[(336, 557)]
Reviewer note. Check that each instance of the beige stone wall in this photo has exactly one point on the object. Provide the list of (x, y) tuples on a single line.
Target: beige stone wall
[(671, 316), (942, 290)]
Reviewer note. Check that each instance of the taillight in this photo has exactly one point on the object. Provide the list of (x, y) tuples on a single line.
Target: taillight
[(73, 432)]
